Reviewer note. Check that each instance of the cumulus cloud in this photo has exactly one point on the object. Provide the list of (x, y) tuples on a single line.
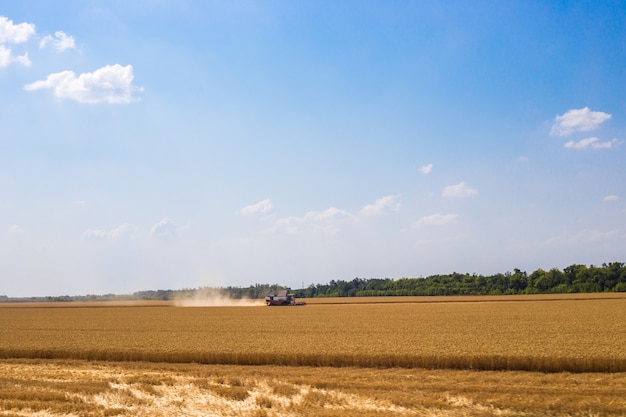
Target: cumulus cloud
[(436, 220), (329, 220), (426, 169), (383, 204), (318, 221), (460, 190), (578, 120), (262, 207), (61, 41), (11, 33), (15, 230), (6, 57), (289, 225), (111, 84), (164, 229), (328, 214), (123, 231), (590, 143)]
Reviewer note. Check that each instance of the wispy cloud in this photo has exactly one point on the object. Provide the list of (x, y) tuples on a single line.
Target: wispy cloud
[(328, 221), (436, 220), (123, 231), (611, 197), (317, 221), (262, 207), (460, 190), (11, 33), (584, 236), (60, 41), (382, 205), (426, 169), (328, 214), (578, 120), (590, 143), (165, 229), (15, 230), (111, 84)]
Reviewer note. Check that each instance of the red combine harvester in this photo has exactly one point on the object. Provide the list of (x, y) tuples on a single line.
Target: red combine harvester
[(282, 298)]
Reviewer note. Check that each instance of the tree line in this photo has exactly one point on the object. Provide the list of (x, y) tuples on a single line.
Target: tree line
[(572, 279), (255, 291), (575, 278), (251, 292)]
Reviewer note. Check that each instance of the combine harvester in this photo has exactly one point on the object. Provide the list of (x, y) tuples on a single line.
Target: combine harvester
[(282, 298)]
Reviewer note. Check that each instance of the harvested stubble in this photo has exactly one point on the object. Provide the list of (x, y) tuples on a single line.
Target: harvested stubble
[(62, 388), (585, 335)]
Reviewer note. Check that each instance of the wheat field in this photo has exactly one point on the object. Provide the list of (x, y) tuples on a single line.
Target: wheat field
[(83, 388), (533, 334), (537, 356)]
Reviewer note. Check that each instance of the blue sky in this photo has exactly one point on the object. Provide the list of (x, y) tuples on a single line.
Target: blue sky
[(176, 144)]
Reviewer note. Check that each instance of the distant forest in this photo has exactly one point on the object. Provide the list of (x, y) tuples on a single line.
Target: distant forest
[(609, 277), (573, 279)]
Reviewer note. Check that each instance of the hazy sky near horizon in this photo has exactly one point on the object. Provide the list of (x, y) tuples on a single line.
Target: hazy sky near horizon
[(176, 144)]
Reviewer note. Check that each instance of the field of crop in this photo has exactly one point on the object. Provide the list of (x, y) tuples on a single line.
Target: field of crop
[(532, 334), (83, 388), (366, 357)]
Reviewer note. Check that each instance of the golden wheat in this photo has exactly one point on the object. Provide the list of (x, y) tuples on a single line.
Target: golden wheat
[(579, 335), (60, 388)]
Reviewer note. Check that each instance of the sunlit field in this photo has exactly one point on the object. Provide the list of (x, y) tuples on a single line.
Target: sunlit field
[(578, 335), (536, 355), (83, 388)]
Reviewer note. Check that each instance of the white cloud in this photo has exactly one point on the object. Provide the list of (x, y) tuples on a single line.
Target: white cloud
[(164, 229), (11, 33), (110, 84), (383, 204), (436, 220), (522, 159), (122, 231), (61, 41), (328, 214), (262, 207), (578, 120), (7, 58), (14, 34), (15, 230), (459, 190), (584, 236), (426, 169), (611, 197), (319, 221), (593, 143), (289, 225)]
